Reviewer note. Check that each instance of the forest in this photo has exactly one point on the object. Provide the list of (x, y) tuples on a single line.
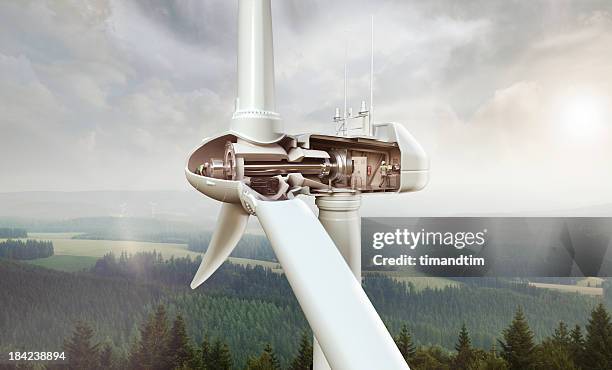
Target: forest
[(251, 308), (13, 233), (165, 344), (25, 250), (250, 246)]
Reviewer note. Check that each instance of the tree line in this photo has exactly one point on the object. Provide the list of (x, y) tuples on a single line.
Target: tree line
[(13, 233), (25, 250), (255, 247), (163, 346)]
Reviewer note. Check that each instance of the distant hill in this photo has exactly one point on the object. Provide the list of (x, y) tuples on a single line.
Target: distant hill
[(170, 205), (198, 210), (44, 208)]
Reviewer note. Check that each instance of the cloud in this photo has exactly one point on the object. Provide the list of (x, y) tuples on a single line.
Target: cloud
[(114, 94)]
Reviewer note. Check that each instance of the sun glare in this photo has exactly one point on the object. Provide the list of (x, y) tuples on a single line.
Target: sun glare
[(583, 115)]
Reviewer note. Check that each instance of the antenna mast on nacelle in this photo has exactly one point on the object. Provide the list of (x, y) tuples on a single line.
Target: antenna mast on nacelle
[(365, 114)]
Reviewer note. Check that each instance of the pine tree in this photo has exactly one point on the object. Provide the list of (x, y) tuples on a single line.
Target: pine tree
[(465, 353), (518, 346), (106, 357), (81, 353), (180, 352), (134, 354), (561, 337), (220, 357), (205, 352), (576, 348), (598, 344), (266, 361), (552, 355), (152, 349), (274, 361), (431, 358), (490, 360), (303, 360), (405, 345)]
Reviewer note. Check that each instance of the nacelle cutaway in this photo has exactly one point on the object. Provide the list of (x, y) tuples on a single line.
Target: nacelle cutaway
[(390, 161)]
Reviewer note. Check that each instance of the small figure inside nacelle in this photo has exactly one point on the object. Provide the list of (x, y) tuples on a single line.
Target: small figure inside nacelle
[(389, 174)]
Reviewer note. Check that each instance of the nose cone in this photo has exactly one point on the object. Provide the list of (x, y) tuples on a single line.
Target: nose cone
[(227, 191)]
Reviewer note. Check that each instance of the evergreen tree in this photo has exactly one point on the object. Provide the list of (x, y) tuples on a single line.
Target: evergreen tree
[(81, 352), (465, 353), (490, 361), (266, 361), (152, 349), (518, 346), (133, 359), (552, 355), (598, 344), (106, 357), (405, 344), (561, 337), (205, 352), (220, 357), (303, 360), (180, 352), (576, 348), (273, 360), (430, 358)]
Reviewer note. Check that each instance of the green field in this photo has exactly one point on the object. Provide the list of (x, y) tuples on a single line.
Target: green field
[(65, 262), (570, 288), (76, 254), (63, 244)]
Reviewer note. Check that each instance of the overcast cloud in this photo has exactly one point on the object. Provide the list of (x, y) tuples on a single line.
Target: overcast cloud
[(511, 99)]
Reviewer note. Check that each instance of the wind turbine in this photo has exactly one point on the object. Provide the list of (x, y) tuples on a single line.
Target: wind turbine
[(257, 169)]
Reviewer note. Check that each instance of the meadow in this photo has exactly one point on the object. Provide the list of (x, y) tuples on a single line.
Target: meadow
[(78, 254), (570, 288)]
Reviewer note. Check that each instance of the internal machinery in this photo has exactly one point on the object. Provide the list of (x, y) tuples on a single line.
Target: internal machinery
[(301, 165)]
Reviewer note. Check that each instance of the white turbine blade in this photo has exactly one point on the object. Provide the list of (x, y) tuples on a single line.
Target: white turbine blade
[(231, 224), (345, 323)]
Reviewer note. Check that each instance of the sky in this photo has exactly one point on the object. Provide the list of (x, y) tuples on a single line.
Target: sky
[(512, 100)]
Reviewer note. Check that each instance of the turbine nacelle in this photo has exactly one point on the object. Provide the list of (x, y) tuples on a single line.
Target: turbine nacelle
[(227, 167)]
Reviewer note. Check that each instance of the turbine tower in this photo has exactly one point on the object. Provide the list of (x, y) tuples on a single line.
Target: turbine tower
[(256, 169)]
